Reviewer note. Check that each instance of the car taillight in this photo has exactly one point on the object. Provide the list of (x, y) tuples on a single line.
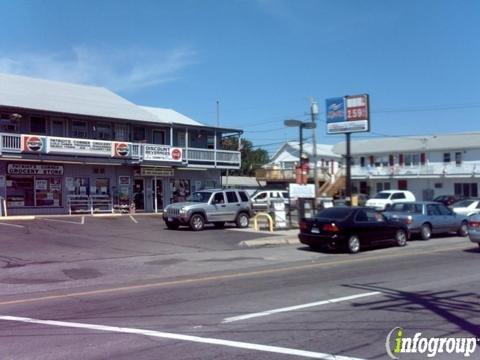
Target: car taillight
[(474, 224), (332, 227), (303, 225)]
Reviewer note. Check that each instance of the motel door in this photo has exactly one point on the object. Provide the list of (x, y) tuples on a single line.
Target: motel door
[(157, 186), (139, 194)]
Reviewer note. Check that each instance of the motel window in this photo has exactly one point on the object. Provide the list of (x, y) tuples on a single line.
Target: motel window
[(446, 157), (103, 131), (458, 158), (158, 137), (139, 134), (362, 161), (38, 125), (121, 132), (210, 142), (466, 189), (412, 159), (79, 129), (180, 139)]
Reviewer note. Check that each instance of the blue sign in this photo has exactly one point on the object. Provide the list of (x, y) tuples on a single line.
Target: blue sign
[(335, 110)]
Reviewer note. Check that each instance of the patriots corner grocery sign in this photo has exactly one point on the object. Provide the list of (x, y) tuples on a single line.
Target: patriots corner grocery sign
[(348, 114)]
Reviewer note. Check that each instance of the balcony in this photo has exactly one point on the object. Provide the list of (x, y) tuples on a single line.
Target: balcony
[(431, 170), (287, 175), (130, 152)]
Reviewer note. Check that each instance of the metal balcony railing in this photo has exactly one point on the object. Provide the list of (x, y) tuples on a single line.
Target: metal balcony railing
[(437, 169)]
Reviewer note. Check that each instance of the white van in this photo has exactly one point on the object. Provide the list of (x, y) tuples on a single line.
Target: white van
[(384, 199), (262, 199)]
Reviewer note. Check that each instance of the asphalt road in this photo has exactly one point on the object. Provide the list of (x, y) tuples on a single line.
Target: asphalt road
[(282, 302)]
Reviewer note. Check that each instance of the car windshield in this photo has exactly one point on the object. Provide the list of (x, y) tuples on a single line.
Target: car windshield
[(382, 195), (463, 203), (200, 197), (335, 213), (407, 207)]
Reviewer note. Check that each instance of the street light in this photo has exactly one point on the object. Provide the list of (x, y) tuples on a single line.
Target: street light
[(301, 125)]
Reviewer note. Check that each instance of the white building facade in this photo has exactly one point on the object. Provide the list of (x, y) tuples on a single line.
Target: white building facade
[(428, 166)]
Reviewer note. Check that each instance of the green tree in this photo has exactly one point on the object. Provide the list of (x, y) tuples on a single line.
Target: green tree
[(252, 158)]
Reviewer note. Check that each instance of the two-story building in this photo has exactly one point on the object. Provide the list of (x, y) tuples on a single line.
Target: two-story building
[(428, 166), (67, 147), (280, 171)]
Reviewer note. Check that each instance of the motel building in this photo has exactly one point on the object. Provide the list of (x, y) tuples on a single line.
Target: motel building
[(67, 148), (428, 166)]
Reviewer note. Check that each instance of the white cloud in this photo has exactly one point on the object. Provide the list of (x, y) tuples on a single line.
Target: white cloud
[(118, 69)]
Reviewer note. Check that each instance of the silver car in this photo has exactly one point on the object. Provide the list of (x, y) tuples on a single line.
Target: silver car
[(426, 218), (474, 228), (216, 206)]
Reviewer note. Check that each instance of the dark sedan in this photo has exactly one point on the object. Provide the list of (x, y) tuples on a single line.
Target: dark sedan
[(351, 228)]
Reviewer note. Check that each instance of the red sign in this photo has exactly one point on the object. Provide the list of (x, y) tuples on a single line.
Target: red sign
[(357, 107), (176, 154)]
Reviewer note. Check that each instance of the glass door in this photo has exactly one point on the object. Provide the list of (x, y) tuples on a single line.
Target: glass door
[(157, 186), (139, 194)]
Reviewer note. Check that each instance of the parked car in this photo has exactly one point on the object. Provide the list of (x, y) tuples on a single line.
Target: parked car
[(426, 218), (351, 228), (448, 200), (262, 199), (216, 206), (467, 207), (384, 199), (474, 228)]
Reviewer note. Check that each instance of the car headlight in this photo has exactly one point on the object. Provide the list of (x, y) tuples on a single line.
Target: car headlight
[(183, 211)]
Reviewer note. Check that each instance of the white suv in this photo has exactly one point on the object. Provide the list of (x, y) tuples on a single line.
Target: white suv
[(384, 199), (262, 199)]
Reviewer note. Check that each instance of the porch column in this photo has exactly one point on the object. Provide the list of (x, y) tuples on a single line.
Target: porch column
[(171, 136), (215, 148), (186, 145)]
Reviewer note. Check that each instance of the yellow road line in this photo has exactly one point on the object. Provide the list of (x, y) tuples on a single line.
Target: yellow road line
[(224, 277)]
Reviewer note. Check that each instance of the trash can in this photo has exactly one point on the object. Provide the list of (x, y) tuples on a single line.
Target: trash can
[(279, 213)]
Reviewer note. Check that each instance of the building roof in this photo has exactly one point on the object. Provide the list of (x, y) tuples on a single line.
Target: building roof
[(169, 116), (411, 144), (55, 96), (241, 181), (291, 149)]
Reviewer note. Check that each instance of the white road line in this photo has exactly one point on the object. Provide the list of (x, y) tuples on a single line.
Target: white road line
[(298, 307), (197, 339), (133, 219), (67, 221), (83, 220), (13, 225)]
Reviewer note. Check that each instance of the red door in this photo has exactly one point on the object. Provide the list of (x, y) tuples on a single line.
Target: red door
[(402, 185)]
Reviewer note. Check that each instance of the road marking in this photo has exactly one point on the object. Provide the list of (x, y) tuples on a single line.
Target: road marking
[(298, 307), (226, 277), (67, 221), (196, 339), (133, 219), (13, 225)]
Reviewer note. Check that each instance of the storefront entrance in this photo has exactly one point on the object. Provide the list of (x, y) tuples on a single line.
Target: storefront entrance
[(139, 194)]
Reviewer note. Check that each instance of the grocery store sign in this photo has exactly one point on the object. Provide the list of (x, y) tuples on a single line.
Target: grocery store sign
[(348, 114), (154, 171), (162, 153), (34, 169), (78, 146)]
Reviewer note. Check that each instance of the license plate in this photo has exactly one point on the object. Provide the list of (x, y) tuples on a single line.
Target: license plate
[(315, 230), (170, 219)]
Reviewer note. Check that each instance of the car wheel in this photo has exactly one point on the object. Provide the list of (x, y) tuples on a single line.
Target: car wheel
[(171, 225), (197, 222), (401, 238), (425, 232), (463, 230), (242, 220), (353, 244), (219, 224)]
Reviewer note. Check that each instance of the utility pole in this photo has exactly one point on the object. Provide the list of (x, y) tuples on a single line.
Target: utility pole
[(314, 115)]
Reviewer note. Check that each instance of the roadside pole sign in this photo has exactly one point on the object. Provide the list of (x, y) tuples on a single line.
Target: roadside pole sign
[(348, 114)]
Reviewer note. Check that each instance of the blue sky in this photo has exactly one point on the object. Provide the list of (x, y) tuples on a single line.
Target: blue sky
[(261, 59)]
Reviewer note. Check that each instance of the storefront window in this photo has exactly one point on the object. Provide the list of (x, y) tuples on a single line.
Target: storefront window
[(180, 189), (34, 191), (102, 186), (78, 186)]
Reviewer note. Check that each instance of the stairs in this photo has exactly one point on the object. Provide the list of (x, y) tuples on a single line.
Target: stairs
[(329, 189)]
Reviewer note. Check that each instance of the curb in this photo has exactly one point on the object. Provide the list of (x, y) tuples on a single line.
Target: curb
[(265, 242)]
